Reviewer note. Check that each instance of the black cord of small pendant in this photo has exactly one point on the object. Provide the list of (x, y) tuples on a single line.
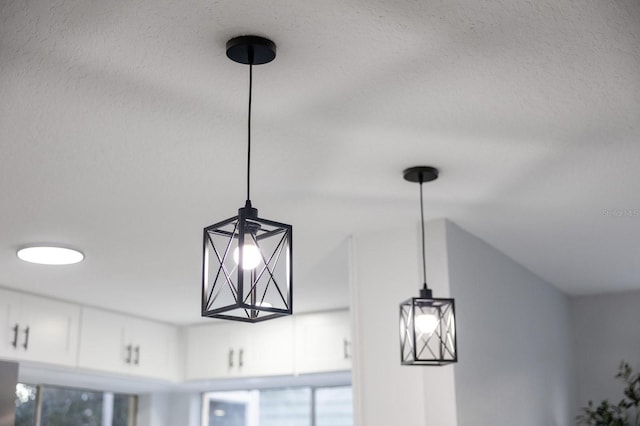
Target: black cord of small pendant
[(249, 125), (424, 256)]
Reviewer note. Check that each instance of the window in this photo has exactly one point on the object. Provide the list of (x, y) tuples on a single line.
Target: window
[(302, 406), (334, 406), (25, 405), (291, 407), (57, 406)]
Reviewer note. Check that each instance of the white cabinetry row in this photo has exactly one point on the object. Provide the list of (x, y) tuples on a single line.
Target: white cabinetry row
[(240, 350), (323, 342), (43, 330), (48, 331), (309, 343), (38, 329), (123, 344)]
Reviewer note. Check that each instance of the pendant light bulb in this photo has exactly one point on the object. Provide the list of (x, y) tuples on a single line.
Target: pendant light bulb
[(251, 255), (426, 323)]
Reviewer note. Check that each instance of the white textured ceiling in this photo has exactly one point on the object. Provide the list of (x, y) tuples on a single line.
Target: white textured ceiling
[(122, 133)]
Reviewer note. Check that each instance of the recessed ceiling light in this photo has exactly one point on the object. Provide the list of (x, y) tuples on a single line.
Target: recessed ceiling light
[(49, 255)]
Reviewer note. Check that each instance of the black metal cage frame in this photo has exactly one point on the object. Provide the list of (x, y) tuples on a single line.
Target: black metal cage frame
[(439, 347), (246, 291)]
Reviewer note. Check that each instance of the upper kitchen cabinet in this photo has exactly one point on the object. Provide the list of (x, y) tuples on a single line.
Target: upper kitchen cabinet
[(127, 345), (323, 342), (38, 329), (235, 349)]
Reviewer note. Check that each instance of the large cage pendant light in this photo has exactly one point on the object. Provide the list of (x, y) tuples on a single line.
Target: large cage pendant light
[(427, 324), (247, 260)]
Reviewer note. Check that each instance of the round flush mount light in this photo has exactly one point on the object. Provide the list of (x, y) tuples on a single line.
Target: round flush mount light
[(50, 255)]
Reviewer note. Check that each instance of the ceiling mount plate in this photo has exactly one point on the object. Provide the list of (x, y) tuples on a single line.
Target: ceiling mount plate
[(420, 174), (240, 50)]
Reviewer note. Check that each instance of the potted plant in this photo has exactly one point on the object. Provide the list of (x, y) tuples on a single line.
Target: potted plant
[(625, 413)]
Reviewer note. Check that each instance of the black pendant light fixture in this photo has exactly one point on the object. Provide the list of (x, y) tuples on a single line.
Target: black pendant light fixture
[(427, 324), (247, 260)]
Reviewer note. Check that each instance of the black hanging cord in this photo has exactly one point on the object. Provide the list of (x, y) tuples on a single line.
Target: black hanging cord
[(424, 256), (249, 124)]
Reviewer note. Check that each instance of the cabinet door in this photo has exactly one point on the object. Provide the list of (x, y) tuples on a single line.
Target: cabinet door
[(229, 350), (49, 330), (10, 330), (213, 351), (127, 345), (154, 349), (267, 348), (102, 344), (323, 342)]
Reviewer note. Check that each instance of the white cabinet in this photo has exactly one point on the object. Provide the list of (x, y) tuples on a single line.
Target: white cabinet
[(269, 348), (58, 333), (213, 351), (225, 350), (154, 349), (322, 342), (9, 317), (38, 329), (123, 344)]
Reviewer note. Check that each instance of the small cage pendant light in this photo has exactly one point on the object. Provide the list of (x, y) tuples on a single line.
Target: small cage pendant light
[(247, 260), (427, 324)]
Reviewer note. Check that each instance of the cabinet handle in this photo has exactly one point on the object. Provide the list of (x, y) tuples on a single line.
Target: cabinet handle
[(128, 359), (15, 336), (345, 349), (230, 358), (26, 338), (240, 358), (136, 361)]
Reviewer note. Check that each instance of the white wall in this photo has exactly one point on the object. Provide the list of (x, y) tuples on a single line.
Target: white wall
[(606, 331), (169, 409), (386, 272), (440, 401), (152, 409), (8, 381), (514, 336), (514, 340)]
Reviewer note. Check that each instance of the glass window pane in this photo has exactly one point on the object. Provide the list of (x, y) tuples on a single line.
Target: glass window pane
[(280, 407), (227, 413), (334, 406), (285, 407), (123, 410), (25, 405), (73, 407), (70, 407)]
